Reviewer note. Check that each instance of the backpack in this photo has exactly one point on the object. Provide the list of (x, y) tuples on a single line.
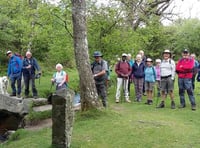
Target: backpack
[(103, 77), (19, 55), (102, 61), (62, 73)]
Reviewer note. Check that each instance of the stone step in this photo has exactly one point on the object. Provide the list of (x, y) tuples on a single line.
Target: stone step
[(39, 101), (42, 108)]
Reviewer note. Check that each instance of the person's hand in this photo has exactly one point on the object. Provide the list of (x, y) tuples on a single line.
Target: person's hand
[(60, 84), (29, 66), (122, 74), (52, 80), (94, 75)]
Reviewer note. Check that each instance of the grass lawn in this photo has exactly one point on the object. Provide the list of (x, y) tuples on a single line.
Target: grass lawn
[(125, 125)]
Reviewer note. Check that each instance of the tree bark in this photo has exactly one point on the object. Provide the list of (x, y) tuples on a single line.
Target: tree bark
[(88, 92)]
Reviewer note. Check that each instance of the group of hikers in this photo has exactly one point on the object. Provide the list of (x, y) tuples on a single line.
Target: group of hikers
[(25, 68), (144, 75), (141, 72)]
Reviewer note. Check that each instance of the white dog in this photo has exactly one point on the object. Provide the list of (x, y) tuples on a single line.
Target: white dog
[(4, 85)]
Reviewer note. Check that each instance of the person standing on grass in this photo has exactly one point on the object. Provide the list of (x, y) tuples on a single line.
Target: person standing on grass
[(14, 73), (141, 52), (195, 69), (123, 70), (138, 73), (157, 69), (167, 73), (99, 68), (150, 79), (184, 69), (131, 62)]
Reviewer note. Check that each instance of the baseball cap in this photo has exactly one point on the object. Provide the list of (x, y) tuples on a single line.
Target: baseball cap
[(8, 52), (124, 55), (149, 60), (158, 60), (185, 51)]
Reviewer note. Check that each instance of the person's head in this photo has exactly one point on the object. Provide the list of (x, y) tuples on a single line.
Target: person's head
[(158, 61), (141, 52), (167, 54), (192, 55), (9, 53), (59, 67), (124, 56), (138, 58), (149, 62), (185, 53), (28, 54), (128, 57), (97, 55)]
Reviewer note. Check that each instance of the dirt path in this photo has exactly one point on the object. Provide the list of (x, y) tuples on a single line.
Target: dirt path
[(40, 125)]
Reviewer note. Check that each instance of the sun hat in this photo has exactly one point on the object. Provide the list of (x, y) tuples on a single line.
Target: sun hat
[(97, 54)]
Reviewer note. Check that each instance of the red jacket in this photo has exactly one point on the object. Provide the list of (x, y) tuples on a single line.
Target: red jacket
[(184, 68), (123, 69)]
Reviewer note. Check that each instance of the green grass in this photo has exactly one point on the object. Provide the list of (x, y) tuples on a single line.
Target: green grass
[(125, 125)]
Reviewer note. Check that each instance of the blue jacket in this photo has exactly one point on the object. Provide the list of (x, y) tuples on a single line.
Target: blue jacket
[(14, 66), (138, 71), (150, 74), (34, 66)]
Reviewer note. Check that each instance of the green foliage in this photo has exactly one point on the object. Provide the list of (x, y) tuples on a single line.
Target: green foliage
[(186, 35)]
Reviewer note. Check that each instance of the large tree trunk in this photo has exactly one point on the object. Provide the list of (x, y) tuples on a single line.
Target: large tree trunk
[(89, 96)]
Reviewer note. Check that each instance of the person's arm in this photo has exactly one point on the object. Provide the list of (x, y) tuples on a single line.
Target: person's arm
[(36, 65), (173, 69)]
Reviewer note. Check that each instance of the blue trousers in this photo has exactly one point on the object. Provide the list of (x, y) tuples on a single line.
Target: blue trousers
[(16, 78), (186, 84)]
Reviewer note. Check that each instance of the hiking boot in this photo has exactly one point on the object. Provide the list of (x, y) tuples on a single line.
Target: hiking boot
[(173, 105), (182, 106), (18, 96), (12, 95), (127, 100), (162, 105), (117, 101), (149, 102), (35, 97), (144, 94), (193, 107)]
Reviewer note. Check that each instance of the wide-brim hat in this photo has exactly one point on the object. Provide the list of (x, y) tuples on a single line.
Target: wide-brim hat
[(167, 51), (97, 54)]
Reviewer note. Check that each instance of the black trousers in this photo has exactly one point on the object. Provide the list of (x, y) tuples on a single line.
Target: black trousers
[(27, 81)]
